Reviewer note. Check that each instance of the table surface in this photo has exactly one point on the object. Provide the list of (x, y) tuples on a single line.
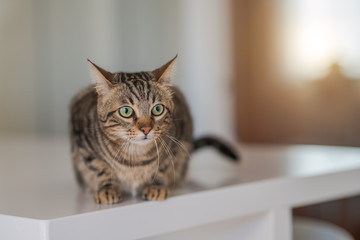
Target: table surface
[(37, 182)]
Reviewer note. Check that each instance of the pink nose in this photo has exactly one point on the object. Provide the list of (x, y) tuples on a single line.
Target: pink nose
[(145, 130)]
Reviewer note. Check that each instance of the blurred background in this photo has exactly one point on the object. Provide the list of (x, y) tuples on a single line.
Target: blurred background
[(44, 45), (264, 71)]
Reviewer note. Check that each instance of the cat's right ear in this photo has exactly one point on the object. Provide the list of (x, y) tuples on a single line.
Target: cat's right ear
[(101, 78), (165, 73)]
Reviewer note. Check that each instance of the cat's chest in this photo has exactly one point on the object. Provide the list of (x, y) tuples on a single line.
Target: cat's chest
[(133, 178), (135, 168), (135, 173)]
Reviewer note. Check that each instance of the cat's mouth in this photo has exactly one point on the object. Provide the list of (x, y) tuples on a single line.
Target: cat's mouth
[(143, 141)]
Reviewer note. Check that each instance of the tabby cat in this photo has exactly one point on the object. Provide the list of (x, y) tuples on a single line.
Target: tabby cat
[(132, 133)]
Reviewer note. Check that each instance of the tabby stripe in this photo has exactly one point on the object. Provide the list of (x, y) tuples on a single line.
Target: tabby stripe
[(106, 185), (131, 100), (157, 182), (89, 159), (97, 141), (148, 90), (103, 138), (92, 168), (168, 110), (141, 82), (139, 86), (101, 173), (101, 141), (132, 90), (148, 76), (129, 76), (143, 76), (107, 116), (122, 76), (137, 164), (96, 133), (138, 74), (87, 141), (114, 125)]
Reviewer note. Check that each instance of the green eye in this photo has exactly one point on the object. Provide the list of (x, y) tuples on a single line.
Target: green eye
[(126, 112), (157, 110)]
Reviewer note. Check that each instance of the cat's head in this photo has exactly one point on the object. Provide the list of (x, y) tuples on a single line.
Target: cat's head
[(134, 107)]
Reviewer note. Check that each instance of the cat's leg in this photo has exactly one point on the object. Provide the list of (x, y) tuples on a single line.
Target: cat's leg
[(156, 188), (171, 173), (96, 175)]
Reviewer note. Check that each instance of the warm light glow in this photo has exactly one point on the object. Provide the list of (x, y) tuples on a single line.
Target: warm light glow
[(317, 34), (315, 48)]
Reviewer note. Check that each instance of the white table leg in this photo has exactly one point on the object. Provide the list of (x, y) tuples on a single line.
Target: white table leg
[(280, 221)]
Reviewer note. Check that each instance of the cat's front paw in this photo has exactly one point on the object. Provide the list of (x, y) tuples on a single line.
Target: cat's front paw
[(107, 196), (154, 192)]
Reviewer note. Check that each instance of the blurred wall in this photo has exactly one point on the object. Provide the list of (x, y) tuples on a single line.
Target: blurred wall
[(44, 46), (276, 108)]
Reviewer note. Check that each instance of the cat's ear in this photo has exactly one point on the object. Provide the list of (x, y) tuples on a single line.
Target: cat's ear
[(101, 78), (165, 73)]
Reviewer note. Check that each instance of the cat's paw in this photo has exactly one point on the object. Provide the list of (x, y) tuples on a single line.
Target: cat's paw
[(107, 196), (154, 192)]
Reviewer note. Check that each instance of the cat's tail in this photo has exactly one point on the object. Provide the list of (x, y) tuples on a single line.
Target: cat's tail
[(220, 145)]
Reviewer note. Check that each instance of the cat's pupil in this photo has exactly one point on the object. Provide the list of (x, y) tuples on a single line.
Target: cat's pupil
[(126, 110), (157, 108)]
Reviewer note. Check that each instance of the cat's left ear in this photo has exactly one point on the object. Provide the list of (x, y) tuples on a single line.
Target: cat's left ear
[(165, 73), (102, 79)]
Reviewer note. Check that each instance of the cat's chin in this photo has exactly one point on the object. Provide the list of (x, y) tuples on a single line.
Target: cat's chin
[(142, 142)]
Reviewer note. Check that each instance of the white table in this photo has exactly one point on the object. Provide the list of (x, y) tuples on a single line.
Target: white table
[(39, 198)]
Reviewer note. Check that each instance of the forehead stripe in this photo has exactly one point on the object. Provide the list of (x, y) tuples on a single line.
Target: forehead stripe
[(148, 90), (138, 75), (122, 77), (131, 90), (140, 82), (143, 75), (143, 90), (148, 76)]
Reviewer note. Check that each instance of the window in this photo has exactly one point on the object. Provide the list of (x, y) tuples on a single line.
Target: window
[(315, 34)]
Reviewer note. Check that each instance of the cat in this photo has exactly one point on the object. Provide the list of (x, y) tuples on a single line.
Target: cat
[(132, 133)]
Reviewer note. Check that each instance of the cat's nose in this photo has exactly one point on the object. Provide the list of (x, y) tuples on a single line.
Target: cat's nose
[(145, 130)]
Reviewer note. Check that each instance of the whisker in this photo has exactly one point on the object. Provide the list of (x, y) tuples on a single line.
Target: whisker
[(180, 144), (170, 155), (115, 159), (132, 153), (158, 162)]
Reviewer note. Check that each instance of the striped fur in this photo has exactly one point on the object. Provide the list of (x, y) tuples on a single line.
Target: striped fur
[(113, 155)]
